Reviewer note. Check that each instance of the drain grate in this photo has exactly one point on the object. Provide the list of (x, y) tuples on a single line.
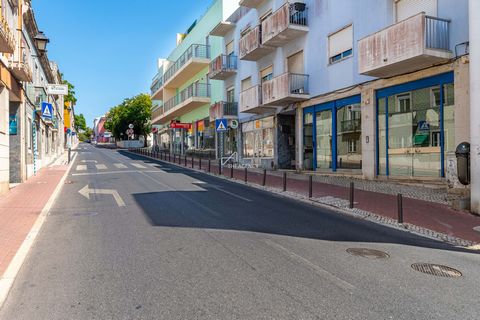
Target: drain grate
[(368, 253), (436, 270)]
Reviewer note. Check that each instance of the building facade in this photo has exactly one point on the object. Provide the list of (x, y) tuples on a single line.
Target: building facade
[(319, 87), (29, 139)]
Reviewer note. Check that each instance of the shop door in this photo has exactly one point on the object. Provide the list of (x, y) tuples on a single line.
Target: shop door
[(414, 134), (323, 139)]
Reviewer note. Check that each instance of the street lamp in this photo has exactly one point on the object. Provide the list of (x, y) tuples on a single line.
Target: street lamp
[(41, 41)]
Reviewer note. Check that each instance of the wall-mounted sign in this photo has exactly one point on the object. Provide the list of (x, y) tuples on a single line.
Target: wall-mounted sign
[(179, 125), (13, 124), (47, 110), (57, 89)]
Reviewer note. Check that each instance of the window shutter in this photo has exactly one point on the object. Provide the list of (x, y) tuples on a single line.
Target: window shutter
[(229, 48), (246, 83), (340, 41), (407, 8), (265, 72)]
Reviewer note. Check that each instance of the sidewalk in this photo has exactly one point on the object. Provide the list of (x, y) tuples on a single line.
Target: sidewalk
[(20, 208), (424, 209)]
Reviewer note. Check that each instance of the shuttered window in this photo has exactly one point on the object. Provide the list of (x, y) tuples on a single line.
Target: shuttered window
[(246, 83), (340, 44), (267, 73), (229, 48), (407, 8)]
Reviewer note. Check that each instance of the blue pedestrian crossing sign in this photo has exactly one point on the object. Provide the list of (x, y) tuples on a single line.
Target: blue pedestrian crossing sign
[(221, 125), (47, 110)]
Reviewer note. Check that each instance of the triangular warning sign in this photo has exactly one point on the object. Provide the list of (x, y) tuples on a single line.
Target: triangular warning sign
[(46, 111), (425, 126), (221, 126)]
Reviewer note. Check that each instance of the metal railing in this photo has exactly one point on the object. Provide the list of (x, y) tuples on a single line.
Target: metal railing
[(353, 125), (194, 51), (298, 14), (223, 62), (298, 83), (201, 90), (437, 33), (157, 83)]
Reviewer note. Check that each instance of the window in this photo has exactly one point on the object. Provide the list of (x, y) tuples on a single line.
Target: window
[(266, 74), (352, 146), (231, 94), (403, 103), (404, 9), (340, 44), (258, 138), (246, 83), (229, 48)]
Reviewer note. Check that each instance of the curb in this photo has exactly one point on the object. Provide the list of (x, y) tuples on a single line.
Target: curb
[(10, 274), (355, 213)]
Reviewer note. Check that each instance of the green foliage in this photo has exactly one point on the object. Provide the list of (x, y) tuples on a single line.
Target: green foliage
[(136, 111), (70, 97), (80, 123), (85, 135)]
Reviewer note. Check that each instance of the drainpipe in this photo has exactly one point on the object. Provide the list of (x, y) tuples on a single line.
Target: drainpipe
[(474, 30)]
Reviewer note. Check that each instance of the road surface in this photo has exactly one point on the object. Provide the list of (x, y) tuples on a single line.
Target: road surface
[(130, 238)]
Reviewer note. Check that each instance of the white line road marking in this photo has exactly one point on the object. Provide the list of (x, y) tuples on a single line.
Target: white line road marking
[(81, 167), (113, 172), (230, 193), (85, 191), (120, 166), (101, 167), (89, 161), (322, 272), (139, 166)]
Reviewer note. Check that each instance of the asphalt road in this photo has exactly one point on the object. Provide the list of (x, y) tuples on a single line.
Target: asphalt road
[(191, 246)]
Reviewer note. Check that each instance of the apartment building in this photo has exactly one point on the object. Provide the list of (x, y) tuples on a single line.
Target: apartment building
[(29, 140), (322, 88), (182, 91)]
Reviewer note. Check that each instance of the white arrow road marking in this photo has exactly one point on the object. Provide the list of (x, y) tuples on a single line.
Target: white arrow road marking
[(120, 165), (86, 191), (101, 167), (89, 161), (81, 167)]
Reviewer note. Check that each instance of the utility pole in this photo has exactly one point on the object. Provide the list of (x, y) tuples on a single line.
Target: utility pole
[(474, 31)]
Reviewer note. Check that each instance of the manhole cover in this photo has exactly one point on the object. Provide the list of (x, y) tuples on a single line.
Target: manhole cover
[(436, 270), (368, 253)]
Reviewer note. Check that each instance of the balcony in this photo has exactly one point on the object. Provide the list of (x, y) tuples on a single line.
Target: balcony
[(412, 44), (251, 47), (157, 114), (251, 3), (350, 126), (222, 28), (190, 98), (223, 67), (224, 109), (251, 101), (7, 41), (191, 62), (285, 89), (21, 71), (284, 25), (157, 88)]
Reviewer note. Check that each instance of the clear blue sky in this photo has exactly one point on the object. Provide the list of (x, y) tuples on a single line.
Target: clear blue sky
[(108, 49)]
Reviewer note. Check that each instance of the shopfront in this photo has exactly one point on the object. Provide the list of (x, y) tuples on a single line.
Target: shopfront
[(258, 141), (415, 127), (332, 135)]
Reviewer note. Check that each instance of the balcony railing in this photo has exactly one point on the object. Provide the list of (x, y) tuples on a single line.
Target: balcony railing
[(437, 33), (21, 70), (251, 100), (286, 88), (251, 47), (157, 84), (287, 23), (409, 45), (223, 109), (199, 90), (223, 67), (354, 125), (7, 41), (194, 51)]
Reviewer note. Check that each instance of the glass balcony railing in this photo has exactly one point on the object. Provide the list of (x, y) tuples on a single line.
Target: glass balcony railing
[(195, 90), (194, 51)]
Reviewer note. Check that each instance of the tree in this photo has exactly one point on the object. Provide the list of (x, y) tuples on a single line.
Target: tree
[(70, 97), (136, 111), (80, 123)]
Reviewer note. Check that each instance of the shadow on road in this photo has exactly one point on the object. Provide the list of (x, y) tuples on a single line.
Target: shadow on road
[(205, 207)]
